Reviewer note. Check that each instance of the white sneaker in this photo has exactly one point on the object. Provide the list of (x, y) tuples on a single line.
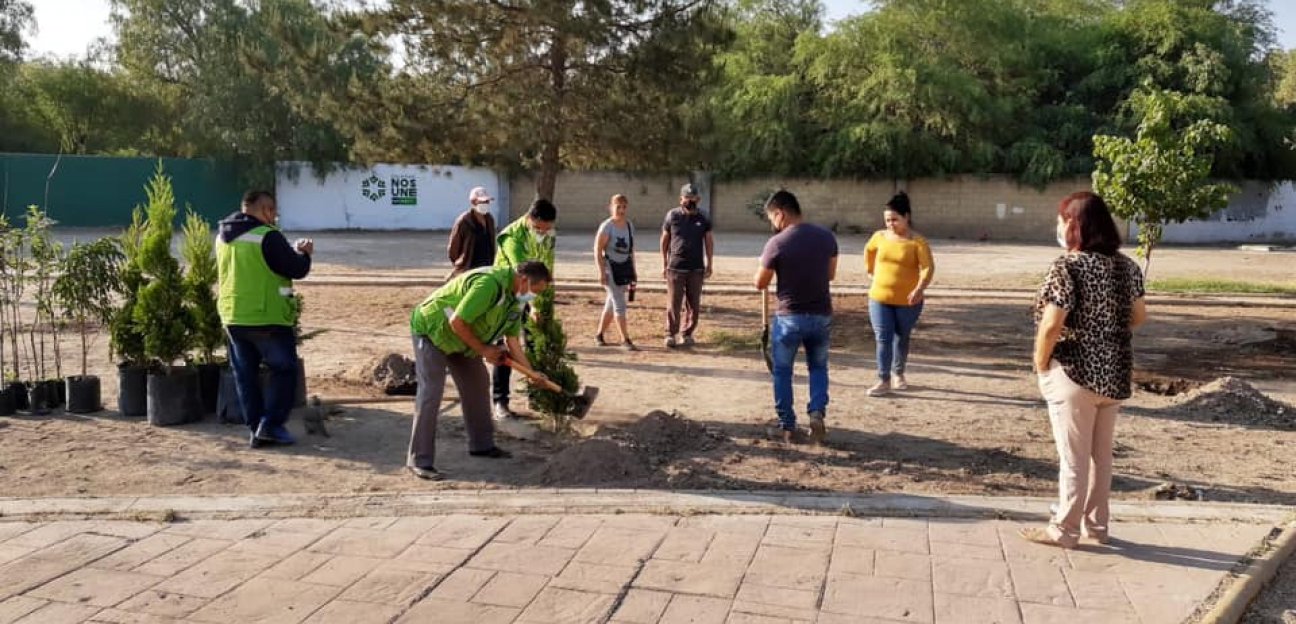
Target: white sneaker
[(900, 383), (882, 388), (671, 342)]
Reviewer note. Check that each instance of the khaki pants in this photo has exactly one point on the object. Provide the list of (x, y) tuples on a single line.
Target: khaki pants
[(473, 383), (1084, 425)]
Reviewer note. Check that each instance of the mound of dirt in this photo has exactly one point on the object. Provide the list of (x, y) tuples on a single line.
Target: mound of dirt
[(593, 462), (1234, 401), (660, 435), (392, 373), (630, 456)]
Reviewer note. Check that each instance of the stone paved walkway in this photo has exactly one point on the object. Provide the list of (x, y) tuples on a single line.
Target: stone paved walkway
[(624, 568)]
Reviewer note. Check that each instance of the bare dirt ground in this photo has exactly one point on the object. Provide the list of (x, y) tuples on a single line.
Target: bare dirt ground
[(973, 422), (960, 263)]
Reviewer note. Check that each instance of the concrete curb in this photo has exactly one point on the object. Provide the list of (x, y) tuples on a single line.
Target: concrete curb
[(595, 501), (1247, 584)]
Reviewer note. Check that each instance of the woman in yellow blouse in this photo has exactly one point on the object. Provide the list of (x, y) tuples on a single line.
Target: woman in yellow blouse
[(900, 263)]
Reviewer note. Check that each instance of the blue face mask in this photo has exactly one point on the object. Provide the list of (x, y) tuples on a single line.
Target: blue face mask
[(526, 297)]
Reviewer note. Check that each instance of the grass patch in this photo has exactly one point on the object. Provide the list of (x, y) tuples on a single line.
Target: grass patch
[(1197, 286), (734, 341)]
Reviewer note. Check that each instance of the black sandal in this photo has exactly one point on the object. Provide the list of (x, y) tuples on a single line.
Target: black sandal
[(493, 452)]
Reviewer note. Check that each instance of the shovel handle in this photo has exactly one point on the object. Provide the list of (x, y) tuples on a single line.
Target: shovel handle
[(765, 307), (534, 376)]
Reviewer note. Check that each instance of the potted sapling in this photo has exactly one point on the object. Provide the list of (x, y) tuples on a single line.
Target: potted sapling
[(46, 256), (85, 290), (161, 315), (8, 403), (126, 338), (13, 244), (199, 251)]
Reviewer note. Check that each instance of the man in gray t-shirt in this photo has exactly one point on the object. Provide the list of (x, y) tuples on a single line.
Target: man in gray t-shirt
[(804, 258), (687, 249)]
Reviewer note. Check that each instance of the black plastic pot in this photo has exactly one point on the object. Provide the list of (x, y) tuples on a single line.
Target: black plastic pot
[(132, 390), (299, 397), (209, 381), (60, 391), (173, 397), (8, 407), (42, 397), (19, 391), (83, 394), (228, 409)]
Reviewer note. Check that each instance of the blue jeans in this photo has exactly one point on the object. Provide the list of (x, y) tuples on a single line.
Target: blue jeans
[(892, 326), (789, 333), (276, 346)]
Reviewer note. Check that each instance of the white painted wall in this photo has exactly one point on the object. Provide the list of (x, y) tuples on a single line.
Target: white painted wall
[(382, 197), (1260, 213)]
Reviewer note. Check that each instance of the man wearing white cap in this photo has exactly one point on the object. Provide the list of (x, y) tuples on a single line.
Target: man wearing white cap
[(472, 239)]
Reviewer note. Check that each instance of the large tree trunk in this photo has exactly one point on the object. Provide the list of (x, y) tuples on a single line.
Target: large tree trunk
[(551, 149), (548, 178)]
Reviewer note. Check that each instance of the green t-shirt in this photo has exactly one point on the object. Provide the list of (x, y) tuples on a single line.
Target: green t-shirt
[(483, 298)]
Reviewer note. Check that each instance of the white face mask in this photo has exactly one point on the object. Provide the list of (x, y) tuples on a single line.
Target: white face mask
[(541, 236), (482, 208), (1061, 238), (526, 297)]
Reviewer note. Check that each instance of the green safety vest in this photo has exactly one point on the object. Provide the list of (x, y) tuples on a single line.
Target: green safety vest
[(250, 293), (485, 294), (516, 244)]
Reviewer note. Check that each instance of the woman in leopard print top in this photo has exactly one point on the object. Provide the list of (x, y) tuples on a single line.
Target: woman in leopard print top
[(1086, 311)]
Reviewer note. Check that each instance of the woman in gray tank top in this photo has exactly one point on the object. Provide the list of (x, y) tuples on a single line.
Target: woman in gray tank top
[(614, 255)]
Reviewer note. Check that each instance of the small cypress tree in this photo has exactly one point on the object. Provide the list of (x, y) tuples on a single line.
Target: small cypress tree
[(160, 310), (548, 353), (126, 340), (199, 250)]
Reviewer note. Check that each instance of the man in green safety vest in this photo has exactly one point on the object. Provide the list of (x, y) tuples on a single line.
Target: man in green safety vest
[(256, 266), (529, 238), (454, 329)]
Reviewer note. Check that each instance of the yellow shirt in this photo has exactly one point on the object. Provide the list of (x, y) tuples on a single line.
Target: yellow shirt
[(897, 267)]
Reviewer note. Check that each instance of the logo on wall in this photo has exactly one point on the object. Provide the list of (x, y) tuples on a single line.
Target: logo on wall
[(404, 190), (373, 188)]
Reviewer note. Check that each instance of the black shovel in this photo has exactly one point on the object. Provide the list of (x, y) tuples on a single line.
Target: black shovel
[(581, 401), (765, 331)]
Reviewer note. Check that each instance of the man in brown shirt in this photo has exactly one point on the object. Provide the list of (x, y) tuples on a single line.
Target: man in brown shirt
[(472, 239)]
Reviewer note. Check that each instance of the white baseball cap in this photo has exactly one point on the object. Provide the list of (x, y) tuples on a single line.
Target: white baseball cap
[(479, 196)]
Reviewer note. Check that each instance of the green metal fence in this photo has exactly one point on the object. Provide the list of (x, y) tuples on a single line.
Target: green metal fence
[(101, 191)]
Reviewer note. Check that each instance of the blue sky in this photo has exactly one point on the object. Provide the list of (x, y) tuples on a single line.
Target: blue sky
[(68, 26)]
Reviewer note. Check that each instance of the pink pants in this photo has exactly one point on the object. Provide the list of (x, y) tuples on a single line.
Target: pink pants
[(1084, 425)]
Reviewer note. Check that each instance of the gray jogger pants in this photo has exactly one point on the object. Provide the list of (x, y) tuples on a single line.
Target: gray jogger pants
[(472, 381)]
